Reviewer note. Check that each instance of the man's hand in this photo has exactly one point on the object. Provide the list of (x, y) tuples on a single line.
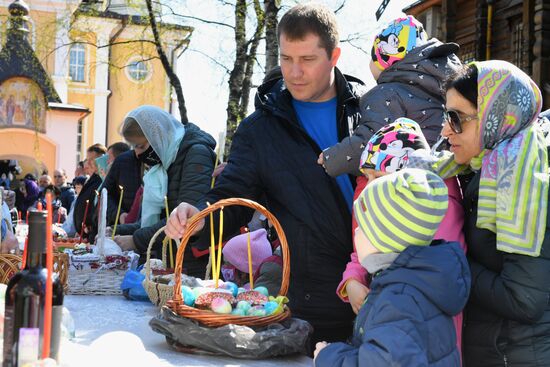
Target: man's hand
[(122, 218), (357, 293), (321, 159), (319, 347), (126, 243), (177, 223)]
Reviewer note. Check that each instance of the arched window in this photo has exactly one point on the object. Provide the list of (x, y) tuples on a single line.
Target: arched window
[(138, 70), (77, 61)]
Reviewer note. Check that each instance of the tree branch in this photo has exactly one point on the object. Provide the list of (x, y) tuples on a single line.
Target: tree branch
[(174, 80)]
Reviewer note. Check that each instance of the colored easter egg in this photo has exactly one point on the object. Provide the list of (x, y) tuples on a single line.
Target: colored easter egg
[(232, 287), (243, 305), (220, 305), (270, 307), (256, 311), (241, 290), (262, 290), (188, 295), (238, 312)]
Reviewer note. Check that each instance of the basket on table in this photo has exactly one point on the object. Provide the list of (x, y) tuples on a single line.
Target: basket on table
[(213, 319), (10, 264), (99, 277), (158, 293)]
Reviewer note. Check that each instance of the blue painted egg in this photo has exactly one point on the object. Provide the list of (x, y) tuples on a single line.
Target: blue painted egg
[(232, 287), (243, 305), (262, 290), (188, 295), (238, 312)]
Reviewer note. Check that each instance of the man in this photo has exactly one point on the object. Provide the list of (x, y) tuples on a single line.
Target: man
[(89, 189), (67, 192), (115, 150), (274, 154), (44, 181)]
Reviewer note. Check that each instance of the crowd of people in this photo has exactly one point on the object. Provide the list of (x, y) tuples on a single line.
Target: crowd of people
[(415, 212)]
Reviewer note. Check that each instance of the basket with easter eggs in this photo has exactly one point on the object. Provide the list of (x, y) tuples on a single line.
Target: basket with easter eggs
[(215, 303)]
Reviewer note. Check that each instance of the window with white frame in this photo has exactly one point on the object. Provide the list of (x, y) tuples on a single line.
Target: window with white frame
[(77, 61), (138, 70)]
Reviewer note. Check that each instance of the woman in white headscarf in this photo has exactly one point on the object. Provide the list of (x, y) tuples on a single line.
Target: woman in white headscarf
[(179, 160)]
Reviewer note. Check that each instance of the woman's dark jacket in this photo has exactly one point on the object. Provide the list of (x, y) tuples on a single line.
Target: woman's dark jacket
[(189, 179), (507, 318), (88, 192)]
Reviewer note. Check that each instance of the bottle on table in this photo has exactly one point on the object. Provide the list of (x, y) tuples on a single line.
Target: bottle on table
[(25, 300)]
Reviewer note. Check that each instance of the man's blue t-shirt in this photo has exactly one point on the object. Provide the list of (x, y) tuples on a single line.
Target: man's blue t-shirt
[(319, 121)]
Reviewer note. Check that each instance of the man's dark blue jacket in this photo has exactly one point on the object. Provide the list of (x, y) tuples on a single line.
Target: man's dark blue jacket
[(273, 158)]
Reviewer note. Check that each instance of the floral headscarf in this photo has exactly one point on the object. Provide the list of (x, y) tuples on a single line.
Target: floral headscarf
[(513, 188)]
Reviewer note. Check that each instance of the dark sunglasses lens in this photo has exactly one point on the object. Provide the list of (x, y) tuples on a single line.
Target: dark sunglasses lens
[(454, 121)]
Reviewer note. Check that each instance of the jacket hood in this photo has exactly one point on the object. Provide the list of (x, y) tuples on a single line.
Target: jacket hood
[(273, 95), (439, 271), (425, 66), (194, 135)]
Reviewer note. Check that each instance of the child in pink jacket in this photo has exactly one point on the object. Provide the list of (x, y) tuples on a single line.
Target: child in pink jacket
[(388, 151)]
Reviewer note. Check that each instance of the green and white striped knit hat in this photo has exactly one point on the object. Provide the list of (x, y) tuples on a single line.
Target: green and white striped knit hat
[(402, 209)]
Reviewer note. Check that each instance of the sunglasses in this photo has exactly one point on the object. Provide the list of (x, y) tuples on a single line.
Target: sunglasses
[(455, 121)]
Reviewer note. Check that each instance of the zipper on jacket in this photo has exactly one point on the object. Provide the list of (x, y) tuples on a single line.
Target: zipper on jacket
[(505, 360)]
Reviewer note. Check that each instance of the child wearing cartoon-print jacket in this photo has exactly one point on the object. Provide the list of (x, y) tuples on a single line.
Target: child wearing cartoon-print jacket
[(410, 71)]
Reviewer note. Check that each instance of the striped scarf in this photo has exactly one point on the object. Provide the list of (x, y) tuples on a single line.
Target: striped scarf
[(513, 189)]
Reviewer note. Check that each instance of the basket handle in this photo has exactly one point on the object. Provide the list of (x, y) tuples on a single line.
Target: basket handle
[(151, 242), (193, 223)]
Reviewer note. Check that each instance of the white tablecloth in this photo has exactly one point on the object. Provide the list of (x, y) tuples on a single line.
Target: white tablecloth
[(111, 331)]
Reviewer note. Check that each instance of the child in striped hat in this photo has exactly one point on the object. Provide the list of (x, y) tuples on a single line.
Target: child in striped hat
[(418, 283)]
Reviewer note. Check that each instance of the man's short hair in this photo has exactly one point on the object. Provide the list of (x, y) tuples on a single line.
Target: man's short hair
[(118, 148), (98, 149), (303, 19)]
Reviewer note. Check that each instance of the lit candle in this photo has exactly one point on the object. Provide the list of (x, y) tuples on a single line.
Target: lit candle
[(170, 251), (49, 290), (84, 219), (249, 259), (118, 211), (219, 264)]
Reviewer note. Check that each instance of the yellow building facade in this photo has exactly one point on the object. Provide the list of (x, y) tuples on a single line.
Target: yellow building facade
[(100, 56)]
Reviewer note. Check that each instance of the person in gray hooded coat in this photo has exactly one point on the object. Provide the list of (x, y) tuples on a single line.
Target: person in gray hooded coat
[(410, 71)]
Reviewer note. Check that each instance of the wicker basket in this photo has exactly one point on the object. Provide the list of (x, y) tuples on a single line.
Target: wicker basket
[(158, 293), (210, 318), (10, 264), (98, 281)]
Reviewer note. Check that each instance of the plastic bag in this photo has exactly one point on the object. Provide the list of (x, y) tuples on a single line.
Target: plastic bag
[(132, 288), (185, 335)]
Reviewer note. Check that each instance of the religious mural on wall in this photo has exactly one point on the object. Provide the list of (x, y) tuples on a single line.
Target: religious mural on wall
[(22, 104)]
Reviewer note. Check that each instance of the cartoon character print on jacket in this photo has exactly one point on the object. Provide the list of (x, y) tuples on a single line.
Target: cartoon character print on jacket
[(389, 148), (393, 43)]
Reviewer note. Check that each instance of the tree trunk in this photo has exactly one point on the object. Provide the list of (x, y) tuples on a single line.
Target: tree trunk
[(237, 74), (174, 80), (251, 59), (271, 43)]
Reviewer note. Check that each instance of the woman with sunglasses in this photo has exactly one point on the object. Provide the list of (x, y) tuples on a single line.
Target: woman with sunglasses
[(492, 127)]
